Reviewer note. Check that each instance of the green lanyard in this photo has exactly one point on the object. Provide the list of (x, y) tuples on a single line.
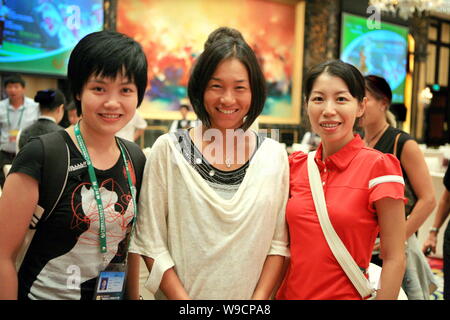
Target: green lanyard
[(93, 178), (20, 119)]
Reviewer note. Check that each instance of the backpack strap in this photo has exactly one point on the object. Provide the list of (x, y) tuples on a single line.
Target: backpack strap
[(55, 170), (138, 159), (54, 174)]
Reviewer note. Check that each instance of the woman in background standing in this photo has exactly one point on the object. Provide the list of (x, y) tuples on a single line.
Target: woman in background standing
[(380, 134), (51, 104)]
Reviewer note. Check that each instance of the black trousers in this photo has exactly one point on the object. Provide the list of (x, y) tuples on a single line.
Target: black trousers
[(5, 158), (446, 254)]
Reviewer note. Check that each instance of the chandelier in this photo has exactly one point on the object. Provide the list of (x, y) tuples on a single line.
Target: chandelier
[(407, 8)]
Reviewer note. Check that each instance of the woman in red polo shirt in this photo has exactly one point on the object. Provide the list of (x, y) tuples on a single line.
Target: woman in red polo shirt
[(363, 190)]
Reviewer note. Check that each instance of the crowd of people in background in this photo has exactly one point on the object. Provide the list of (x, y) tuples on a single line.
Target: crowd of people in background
[(215, 210)]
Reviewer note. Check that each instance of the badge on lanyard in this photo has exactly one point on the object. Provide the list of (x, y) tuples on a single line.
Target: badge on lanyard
[(14, 132), (13, 135), (111, 283)]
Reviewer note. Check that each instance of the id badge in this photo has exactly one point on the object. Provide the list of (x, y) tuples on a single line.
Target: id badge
[(13, 135), (111, 283)]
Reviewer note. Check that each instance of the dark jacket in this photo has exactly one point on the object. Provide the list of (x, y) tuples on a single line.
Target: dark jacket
[(40, 127)]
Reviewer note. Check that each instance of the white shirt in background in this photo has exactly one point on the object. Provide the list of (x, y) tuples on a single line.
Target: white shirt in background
[(127, 132)]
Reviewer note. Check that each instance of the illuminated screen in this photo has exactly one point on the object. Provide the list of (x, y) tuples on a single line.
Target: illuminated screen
[(382, 52), (38, 35)]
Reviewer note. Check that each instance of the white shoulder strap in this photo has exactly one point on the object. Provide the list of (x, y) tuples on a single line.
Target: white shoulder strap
[(336, 245)]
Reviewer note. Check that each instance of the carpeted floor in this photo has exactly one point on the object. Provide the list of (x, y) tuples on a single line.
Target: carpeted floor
[(437, 268)]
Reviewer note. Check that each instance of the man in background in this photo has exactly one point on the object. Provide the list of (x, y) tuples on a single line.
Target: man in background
[(184, 123), (16, 112)]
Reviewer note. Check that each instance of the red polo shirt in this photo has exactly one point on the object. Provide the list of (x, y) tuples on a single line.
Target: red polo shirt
[(353, 179)]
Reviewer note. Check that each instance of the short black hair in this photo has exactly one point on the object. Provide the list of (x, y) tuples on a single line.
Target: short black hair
[(205, 66), (379, 87), (14, 78), (106, 53), (49, 99), (345, 71)]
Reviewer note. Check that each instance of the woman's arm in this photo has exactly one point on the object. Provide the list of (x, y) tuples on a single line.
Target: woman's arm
[(151, 234), (270, 276), (274, 266), (391, 218), (413, 162), (441, 214), (170, 284), (172, 287), (132, 287), (17, 204)]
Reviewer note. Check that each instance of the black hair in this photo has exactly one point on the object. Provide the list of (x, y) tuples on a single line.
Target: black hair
[(220, 33), (49, 99), (345, 71), (205, 66), (184, 106), (379, 87), (70, 106), (14, 78), (106, 53)]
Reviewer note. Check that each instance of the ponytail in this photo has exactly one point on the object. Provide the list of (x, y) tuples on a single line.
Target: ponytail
[(390, 118)]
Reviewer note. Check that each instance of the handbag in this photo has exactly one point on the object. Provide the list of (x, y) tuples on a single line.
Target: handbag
[(419, 281), (365, 287)]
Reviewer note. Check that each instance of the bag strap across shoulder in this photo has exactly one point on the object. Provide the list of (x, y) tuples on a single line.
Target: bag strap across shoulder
[(395, 145), (335, 243)]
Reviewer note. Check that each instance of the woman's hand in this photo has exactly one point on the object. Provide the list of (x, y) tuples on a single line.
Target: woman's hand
[(430, 244)]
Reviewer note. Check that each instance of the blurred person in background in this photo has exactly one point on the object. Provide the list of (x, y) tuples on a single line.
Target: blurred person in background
[(380, 133), (184, 123), (72, 113), (16, 112), (51, 104), (134, 129), (439, 219)]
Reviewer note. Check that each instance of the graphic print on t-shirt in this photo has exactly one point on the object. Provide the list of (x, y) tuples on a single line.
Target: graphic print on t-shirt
[(65, 273)]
